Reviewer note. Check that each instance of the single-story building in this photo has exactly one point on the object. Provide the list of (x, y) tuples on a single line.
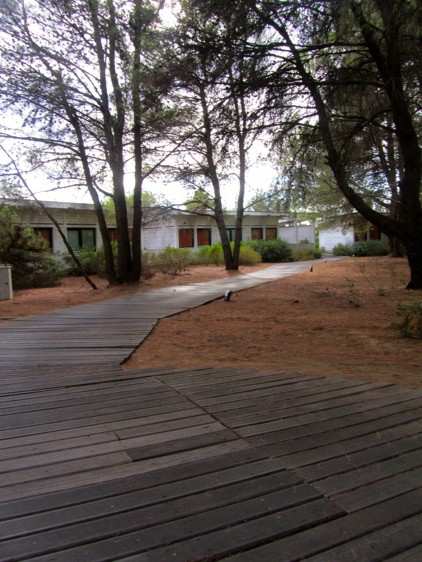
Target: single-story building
[(341, 231), (162, 227)]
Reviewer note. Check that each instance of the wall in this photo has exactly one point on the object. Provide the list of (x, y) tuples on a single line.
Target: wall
[(296, 234), (330, 237), (249, 222), (159, 234), (66, 217)]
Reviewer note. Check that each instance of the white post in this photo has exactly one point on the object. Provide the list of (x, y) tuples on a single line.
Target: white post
[(6, 289)]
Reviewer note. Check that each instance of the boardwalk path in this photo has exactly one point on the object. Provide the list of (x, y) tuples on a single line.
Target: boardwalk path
[(112, 329), (99, 464)]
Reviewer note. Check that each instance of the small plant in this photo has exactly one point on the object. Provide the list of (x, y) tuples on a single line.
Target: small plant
[(353, 295), (410, 325), (272, 250), (343, 250), (172, 260), (302, 252)]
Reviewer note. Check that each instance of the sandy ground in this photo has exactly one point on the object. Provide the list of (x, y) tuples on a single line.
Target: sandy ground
[(75, 290), (337, 320)]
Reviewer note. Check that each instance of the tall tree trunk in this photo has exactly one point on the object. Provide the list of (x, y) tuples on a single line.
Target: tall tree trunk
[(240, 122), (107, 247), (137, 144), (213, 175), (113, 129), (414, 258)]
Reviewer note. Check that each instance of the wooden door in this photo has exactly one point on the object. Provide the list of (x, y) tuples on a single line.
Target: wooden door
[(257, 234), (271, 233), (186, 238), (204, 236)]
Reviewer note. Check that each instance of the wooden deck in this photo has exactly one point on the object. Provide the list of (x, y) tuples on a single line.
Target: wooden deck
[(101, 464)]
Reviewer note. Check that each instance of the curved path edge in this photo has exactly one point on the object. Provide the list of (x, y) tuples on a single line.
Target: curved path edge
[(111, 330)]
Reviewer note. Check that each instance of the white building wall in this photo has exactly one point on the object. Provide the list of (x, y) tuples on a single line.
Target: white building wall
[(297, 234), (330, 237), (159, 237)]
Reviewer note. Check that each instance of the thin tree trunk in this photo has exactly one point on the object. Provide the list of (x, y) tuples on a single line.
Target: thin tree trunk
[(240, 121), (212, 171), (107, 247), (137, 144), (114, 130), (414, 258)]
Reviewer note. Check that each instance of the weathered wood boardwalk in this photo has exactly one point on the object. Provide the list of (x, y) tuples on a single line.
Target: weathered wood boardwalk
[(103, 464), (111, 465), (112, 329)]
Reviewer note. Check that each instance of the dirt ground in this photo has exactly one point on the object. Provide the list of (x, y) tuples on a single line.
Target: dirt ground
[(336, 320), (75, 290)]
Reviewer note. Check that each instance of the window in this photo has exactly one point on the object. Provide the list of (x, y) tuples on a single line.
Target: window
[(82, 238), (231, 234), (257, 233), (204, 236), (374, 233), (271, 233), (113, 234), (186, 238), (46, 233)]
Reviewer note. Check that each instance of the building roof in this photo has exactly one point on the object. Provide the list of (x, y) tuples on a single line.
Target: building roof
[(48, 204), (158, 209)]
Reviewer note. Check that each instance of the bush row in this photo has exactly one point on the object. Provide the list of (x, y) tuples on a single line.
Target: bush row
[(361, 249), (175, 260)]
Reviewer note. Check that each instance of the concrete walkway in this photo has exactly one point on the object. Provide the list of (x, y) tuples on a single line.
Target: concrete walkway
[(108, 332)]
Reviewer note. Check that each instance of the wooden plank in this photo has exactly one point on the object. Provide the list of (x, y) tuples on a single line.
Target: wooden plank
[(78, 464), (236, 537), (198, 472), (367, 475), (378, 545), (96, 505), (278, 492), (132, 423), (412, 555), (20, 463), (380, 491), (330, 447), (185, 444), (351, 461), (321, 538), (54, 483)]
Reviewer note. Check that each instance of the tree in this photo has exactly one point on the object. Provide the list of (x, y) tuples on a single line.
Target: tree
[(370, 45), (214, 71), (88, 79)]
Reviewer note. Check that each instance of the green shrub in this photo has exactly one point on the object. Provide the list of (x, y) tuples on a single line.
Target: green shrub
[(92, 262), (27, 253), (271, 250), (411, 322), (207, 255), (213, 255), (172, 260), (302, 252), (248, 256), (343, 250), (370, 248)]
